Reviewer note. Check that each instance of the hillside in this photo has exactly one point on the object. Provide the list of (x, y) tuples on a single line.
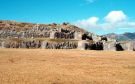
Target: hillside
[(58, 36), (122, 37), (6, 24)]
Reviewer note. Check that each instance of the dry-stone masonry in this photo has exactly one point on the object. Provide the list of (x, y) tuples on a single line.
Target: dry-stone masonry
[(56, 36)]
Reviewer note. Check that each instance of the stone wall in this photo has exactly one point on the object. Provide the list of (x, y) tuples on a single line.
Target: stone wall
[(90, 45), (59, 45), (72, 39), (41, 32), (39, 44)]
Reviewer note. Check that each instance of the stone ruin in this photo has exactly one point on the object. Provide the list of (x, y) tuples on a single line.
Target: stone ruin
[(54, 36)]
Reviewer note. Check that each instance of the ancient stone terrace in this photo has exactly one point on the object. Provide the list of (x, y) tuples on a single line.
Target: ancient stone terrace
[(37, 33), (25, 30), (55, 36)]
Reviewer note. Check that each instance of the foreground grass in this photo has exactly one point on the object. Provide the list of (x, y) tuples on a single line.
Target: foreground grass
[(39, 66)]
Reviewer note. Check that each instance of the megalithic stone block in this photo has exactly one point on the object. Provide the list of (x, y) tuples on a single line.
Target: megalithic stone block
[(44, 44), (96, 38), (133, 44), (23, 35), (127, 46), (130, 45), (110, 39), (3, 44), (52, 35), (82, 44), (0, 44), (109, 46), (59, 29), (78, 36)]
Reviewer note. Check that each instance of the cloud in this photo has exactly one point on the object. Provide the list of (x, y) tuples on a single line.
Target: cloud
[(88, 22), (115, 16), (112, 21)]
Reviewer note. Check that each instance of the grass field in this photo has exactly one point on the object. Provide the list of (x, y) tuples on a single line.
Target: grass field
[(39, 66)]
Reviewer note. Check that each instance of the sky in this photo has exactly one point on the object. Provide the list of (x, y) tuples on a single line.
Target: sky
[(97, 16)]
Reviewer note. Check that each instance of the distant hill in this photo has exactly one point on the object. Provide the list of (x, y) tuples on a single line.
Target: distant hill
[(122, 37)]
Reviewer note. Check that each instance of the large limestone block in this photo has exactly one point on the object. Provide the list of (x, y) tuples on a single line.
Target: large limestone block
[(127, 46), (96, 38), (0, 45), (82, 44), (110, 39), (134, 45), (109, 46), (23, 35), (59, 29), (78, 36), (52, 35), (3, 44), (44, 44)]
